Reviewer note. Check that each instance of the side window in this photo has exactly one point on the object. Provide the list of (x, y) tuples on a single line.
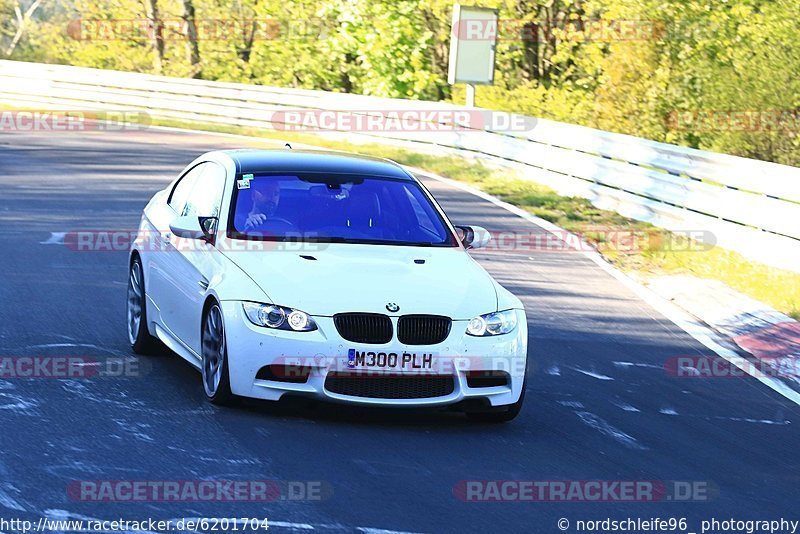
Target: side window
[(177, 200), (206, 196)]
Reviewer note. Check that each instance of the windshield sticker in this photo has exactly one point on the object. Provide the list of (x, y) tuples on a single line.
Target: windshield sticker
[(243, 184)]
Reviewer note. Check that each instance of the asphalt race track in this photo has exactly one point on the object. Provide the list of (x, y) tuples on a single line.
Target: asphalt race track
[(600, 405)]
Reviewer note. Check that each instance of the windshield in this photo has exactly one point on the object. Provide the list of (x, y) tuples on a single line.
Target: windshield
[(336, 208)]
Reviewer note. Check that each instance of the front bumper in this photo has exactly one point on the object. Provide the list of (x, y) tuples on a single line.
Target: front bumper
[(250, 348)]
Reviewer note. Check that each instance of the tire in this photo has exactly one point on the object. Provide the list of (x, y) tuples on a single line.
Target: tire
[(216, 377), (502, 414), (139, 338)]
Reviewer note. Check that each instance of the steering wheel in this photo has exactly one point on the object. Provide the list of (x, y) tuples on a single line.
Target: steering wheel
[(272, 222)]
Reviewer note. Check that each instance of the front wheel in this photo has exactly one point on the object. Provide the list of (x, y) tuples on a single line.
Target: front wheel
[(216, 378)]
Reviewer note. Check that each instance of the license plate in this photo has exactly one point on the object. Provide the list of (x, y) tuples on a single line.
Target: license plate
[(367, 359)]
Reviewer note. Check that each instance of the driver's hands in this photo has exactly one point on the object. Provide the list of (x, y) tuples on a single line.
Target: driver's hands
[(253, 220)]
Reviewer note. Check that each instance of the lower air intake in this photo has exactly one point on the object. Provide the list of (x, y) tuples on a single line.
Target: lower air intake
[(390, 387)]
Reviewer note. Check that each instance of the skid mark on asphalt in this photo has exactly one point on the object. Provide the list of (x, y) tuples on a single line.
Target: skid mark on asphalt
[(367, 530), (748, 420), (77, 345), (591, 373), (553, 371), (68, 447), (333, 527), (626, 407), (632, 364), (78, 470), (76, 387), (16, 403), (56, 238), (667, 410), (137, 430), (7, 501), (388, 468), (606, 429), (760, 421), (206, 455)]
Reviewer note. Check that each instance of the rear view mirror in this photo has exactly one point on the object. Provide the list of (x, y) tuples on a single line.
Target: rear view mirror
[(191, 227), (473, 236)]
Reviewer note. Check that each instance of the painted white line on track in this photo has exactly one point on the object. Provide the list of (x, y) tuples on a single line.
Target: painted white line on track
[(707, 337)]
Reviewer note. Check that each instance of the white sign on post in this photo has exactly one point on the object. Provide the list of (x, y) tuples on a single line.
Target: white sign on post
[(472, 44)]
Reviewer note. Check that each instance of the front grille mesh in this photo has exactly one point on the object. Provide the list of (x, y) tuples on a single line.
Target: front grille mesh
[(364, 327), (390, 387), (422, 329)]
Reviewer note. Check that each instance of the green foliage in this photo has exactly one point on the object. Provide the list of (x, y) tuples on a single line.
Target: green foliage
[(676, 84)]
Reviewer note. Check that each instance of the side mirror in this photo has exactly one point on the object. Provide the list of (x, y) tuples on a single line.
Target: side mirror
[(474, 236), (190, 227)]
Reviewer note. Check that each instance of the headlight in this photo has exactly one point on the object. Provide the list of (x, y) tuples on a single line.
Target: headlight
[(493, 324), (273, 316)]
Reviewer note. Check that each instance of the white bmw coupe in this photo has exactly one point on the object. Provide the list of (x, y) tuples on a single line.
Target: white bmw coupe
[(326, 275)]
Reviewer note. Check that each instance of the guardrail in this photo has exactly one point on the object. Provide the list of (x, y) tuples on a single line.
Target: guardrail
[(749, 206)]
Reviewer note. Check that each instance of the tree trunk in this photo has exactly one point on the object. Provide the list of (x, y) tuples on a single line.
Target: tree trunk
[(192, 45), (246, 51), (157, 36), (345, 82), (22, 23)]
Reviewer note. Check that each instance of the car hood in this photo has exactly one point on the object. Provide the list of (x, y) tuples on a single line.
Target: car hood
[(325, 279)]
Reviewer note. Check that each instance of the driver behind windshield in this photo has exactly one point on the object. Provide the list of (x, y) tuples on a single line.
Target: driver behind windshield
[(315, 207), (264, 199)]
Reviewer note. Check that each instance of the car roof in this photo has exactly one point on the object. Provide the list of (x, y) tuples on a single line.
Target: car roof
[(304, 161)]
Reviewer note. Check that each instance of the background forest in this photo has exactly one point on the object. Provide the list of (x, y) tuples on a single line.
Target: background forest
[(717, 75)]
